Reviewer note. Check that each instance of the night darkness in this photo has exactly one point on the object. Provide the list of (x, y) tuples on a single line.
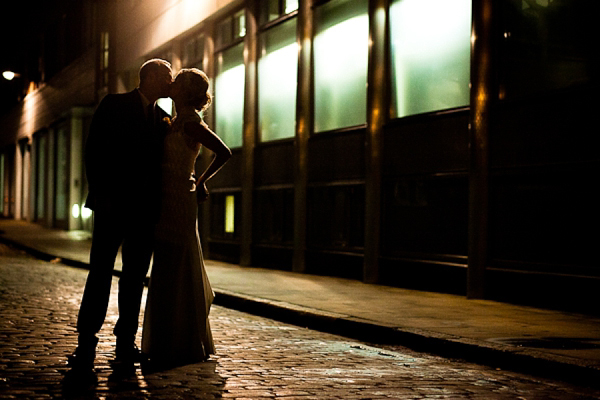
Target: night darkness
[(21, 24)]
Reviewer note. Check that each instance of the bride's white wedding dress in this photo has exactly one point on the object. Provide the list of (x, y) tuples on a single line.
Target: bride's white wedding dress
[(176, 327)]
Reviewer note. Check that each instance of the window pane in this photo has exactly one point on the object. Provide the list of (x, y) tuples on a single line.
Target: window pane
[(430, 42), (239, 25), (229, 214), (547, 45), (340, 53), (290, 5), (224, 32), (269, 10), (229, 95), (277, 81)]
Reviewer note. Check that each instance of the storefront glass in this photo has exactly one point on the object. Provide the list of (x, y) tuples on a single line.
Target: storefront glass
[(341, 46), (229, 95), (277, 82), (430, 51)]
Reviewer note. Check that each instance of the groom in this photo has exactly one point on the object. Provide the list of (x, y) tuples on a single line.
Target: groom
[(122, 161)]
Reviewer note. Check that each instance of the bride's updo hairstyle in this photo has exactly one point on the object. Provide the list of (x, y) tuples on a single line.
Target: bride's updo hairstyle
[(194, 88)]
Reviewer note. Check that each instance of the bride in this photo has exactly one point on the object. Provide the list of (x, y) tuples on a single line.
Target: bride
[(176, 327)]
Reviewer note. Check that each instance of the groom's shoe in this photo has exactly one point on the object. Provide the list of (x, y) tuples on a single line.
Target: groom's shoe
[(82, 359), (127, 353), (81, 373)]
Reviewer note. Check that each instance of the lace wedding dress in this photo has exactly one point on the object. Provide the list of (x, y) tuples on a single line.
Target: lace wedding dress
[(176, 327)]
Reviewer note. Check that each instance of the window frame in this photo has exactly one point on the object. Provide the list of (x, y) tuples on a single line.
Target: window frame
[(220, 45)]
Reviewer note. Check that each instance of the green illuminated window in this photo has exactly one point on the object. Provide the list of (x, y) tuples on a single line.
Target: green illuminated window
[(277, 82), (272, 9), (341, 46), (229, 95), (430, 48), (231, 29), (229, 214), (289, 6)]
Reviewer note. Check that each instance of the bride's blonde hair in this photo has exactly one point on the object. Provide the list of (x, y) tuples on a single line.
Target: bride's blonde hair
[(195, 88)]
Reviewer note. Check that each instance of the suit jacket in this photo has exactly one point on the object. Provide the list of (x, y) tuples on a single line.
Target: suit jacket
[(122, 156)]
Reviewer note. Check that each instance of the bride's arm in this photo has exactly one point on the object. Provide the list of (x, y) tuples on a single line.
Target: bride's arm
[(202, 133)]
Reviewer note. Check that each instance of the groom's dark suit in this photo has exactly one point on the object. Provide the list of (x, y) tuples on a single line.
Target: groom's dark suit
[(122, 161)]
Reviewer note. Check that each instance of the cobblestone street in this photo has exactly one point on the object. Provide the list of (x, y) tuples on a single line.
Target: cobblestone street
[(257, 358)]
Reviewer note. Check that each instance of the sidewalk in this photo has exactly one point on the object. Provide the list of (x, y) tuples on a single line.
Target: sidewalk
[(552, 343)]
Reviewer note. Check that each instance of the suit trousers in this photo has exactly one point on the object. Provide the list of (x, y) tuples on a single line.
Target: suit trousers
[(136, 236)]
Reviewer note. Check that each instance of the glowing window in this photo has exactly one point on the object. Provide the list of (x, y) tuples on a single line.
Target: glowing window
[(85, 212), (289, 6), (430, 48), (231, 29), (277, 82), (229, 214), (341, 46), (272, 9), (75, 211), (229, 95)]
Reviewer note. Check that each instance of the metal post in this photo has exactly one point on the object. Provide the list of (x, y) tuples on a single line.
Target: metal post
[(250, 128), (208, 61), (377, 115), (479, 127), (303, 129)]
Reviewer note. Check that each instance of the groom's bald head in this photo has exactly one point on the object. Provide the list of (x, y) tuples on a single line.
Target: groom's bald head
[(155, 78), (153, 67)]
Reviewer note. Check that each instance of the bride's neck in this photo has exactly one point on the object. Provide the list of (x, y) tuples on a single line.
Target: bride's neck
[(184, 109)]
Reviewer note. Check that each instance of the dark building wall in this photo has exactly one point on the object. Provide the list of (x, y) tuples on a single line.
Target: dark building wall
[(541, 203)]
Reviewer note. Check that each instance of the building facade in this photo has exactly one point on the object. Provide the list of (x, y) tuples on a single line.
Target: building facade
[(431, 144)]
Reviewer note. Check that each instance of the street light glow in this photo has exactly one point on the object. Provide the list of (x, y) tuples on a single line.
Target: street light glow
[(9, 75)]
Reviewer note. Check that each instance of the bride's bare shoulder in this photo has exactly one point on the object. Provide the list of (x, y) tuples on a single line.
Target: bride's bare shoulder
[(197, 129)]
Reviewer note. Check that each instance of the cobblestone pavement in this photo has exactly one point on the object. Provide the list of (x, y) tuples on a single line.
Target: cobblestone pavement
[(257, 358)]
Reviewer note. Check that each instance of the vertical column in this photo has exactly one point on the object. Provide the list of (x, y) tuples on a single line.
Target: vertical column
[(479, 126), (304, 123), (208, 65), (51, 176), (208, 61), (3, 185), (27, 195), (176, 56), (18, 180), (33, 180), (377, 115), (250, 128), (76, 169)]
